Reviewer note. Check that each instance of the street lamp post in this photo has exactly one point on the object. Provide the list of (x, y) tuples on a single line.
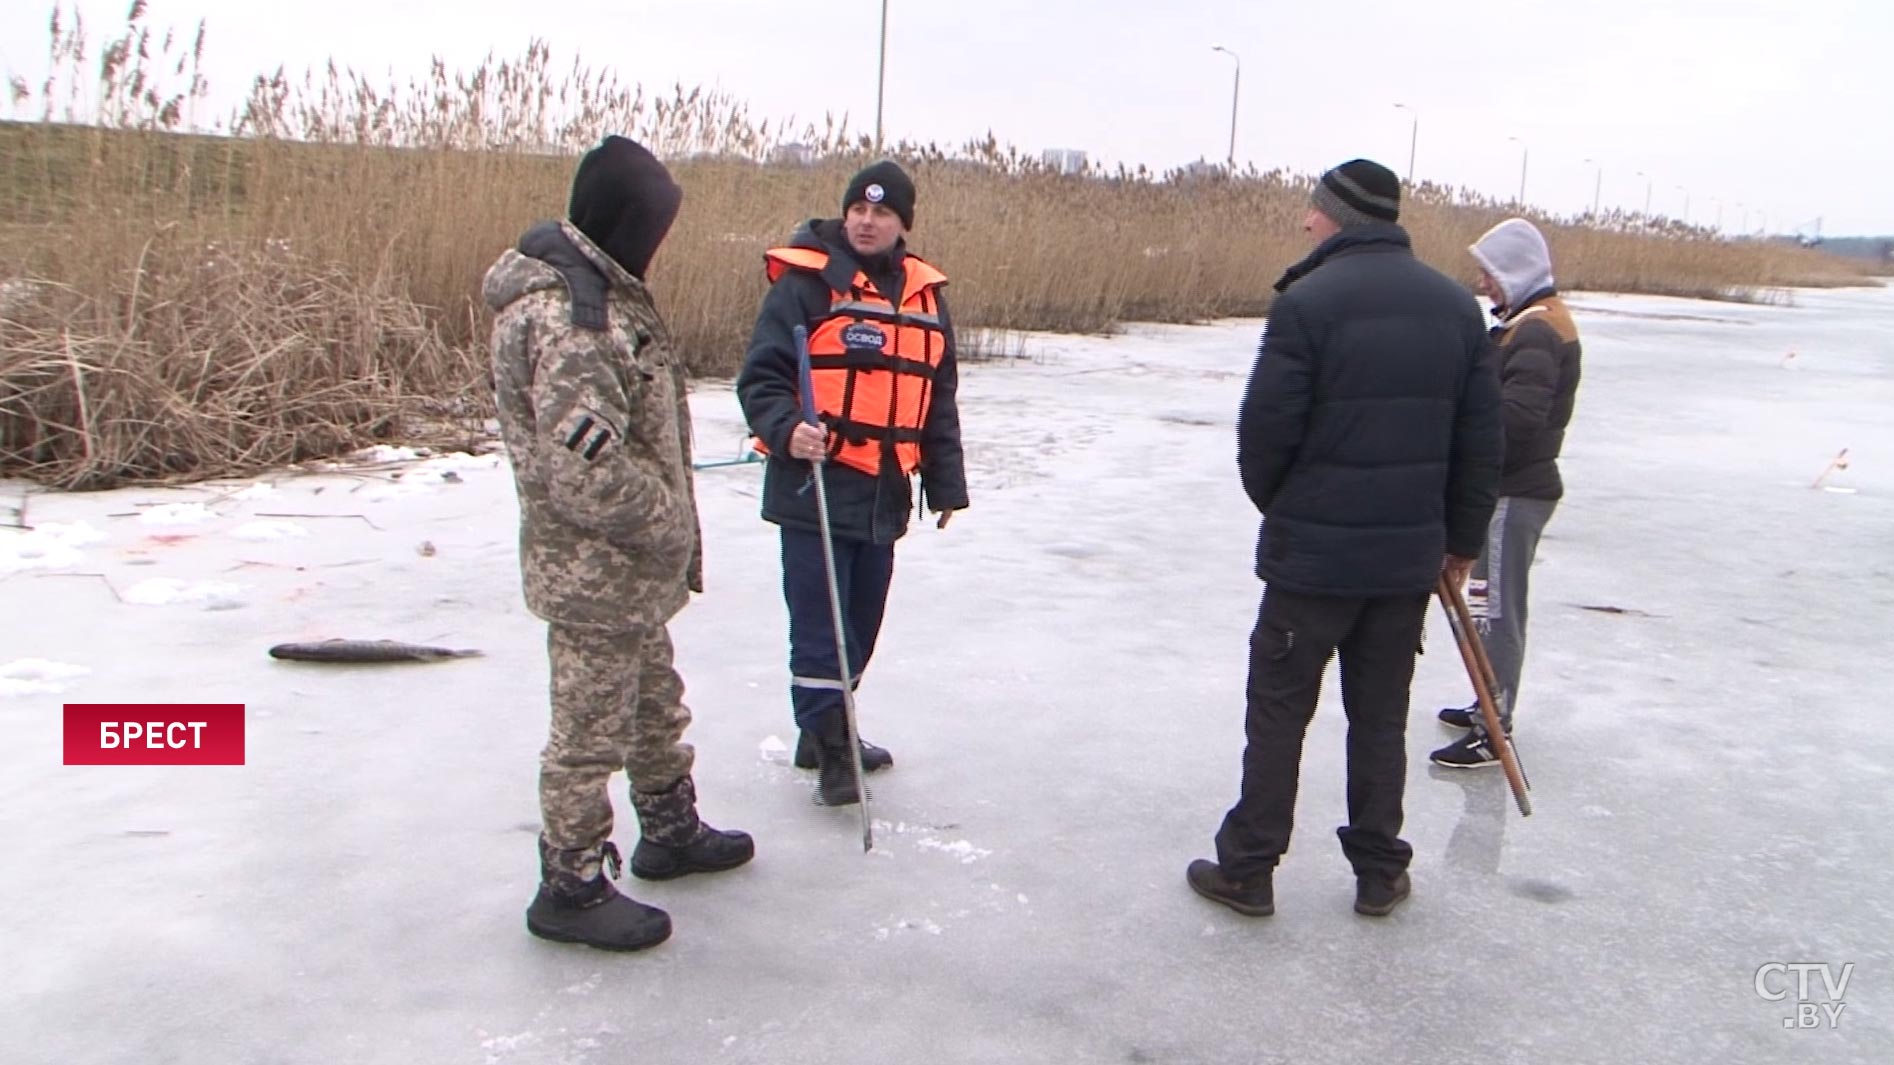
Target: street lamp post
[(1413, 139), (1686, 193), (1598, 187), (1236, 86), (881, 79), (1524, 154), (1647, 194)]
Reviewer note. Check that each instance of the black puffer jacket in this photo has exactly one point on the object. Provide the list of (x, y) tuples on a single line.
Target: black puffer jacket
[(1369, 435), (861, 507)]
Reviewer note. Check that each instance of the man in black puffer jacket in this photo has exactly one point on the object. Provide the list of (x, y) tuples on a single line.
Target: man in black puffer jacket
[(1369, 439)]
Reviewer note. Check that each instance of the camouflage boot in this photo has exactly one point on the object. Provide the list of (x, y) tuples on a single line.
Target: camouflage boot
[(674, 842), (578, 904)]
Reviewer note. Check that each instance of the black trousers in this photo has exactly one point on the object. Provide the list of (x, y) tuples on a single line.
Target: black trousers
[(1294, 638), (863, 572)]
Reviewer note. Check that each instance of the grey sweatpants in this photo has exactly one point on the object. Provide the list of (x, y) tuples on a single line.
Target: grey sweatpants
[(1496, 594)]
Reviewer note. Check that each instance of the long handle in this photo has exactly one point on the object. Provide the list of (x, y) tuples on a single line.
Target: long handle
[(1480, 672), (807, 389)]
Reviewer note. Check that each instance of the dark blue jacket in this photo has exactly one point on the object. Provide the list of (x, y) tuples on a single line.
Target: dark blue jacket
[(861, 507), (1370, 435)]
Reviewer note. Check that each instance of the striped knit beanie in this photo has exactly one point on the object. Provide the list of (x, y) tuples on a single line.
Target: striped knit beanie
[(1359, 193)]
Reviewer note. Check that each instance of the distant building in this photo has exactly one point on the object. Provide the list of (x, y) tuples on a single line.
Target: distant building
[(1064, 160), (1199, 170)]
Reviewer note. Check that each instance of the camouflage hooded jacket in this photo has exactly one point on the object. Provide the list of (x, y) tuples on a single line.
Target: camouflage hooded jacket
[(594, 411)]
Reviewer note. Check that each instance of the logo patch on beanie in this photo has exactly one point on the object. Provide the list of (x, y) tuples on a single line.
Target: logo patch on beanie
[(875, 193)]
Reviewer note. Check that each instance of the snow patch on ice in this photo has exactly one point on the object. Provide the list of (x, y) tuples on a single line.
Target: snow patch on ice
[(259, 490), (165, 591), (381, 453), (176, 514), (773, 750), (37, 676), (455, 462), (266, 529), (960, 848), (50, 546)]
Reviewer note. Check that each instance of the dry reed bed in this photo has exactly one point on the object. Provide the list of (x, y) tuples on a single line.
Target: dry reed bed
[(181, 306)]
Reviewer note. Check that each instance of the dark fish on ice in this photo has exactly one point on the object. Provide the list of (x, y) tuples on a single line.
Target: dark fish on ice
[(365, 651)]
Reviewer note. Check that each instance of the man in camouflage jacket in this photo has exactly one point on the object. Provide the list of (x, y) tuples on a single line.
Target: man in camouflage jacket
[(593, 407)]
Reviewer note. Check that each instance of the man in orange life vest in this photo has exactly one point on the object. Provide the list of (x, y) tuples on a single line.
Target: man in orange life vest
[(881, 354)]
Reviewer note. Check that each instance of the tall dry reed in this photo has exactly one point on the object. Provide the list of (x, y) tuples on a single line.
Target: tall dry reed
[(189, 296)]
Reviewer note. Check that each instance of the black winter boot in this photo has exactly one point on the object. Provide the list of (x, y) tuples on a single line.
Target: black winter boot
[(574, 907), (873, 757), (836, 784), (674, 842)]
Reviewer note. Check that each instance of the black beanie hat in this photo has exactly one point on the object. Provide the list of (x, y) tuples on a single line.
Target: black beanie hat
[(1359, 193), (884, 183), (624, 201)]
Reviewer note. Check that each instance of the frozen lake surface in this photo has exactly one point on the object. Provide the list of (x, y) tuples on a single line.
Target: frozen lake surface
[(1061, 683)]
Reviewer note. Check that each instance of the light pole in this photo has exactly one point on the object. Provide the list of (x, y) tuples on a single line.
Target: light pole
[(1598, 187), (1236, 86), (1524, 154), (1413, 139), (881, 79), (1647, 193), (1743, 207), (1686, 193)]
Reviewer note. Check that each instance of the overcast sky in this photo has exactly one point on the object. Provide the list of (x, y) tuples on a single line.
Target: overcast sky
[(1781, 106)]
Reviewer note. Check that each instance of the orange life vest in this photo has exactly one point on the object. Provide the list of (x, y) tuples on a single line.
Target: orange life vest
[(871, 362)]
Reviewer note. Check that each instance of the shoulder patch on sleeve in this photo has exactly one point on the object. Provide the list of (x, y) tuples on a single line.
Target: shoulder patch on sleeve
[(587, 433)]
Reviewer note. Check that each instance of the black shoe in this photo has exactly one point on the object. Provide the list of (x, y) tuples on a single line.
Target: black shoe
[(873, 757), (674, 842), (1255, 897), (1460, 717), (836, 784), (1471, 751), (592, 912), (1377, 896)]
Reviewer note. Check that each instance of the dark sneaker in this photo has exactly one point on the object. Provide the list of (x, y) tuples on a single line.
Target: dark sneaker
[(1471, 751), (873, 757), (1460, 717), (1255, 897), (1377, 896)]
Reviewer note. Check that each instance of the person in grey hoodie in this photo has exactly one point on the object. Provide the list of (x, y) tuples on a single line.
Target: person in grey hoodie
[(1539, 373)]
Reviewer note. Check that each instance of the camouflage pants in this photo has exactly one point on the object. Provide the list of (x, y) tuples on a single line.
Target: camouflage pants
[(617, 703)]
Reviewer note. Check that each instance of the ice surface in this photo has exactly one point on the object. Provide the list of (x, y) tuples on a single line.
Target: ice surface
[(383, 453), (50, 546), (1060, 681), (164, 591), (176, 514), (265, 529), (37, 676)]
